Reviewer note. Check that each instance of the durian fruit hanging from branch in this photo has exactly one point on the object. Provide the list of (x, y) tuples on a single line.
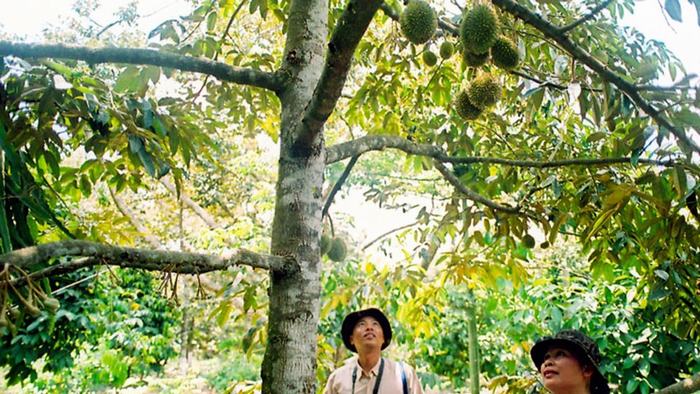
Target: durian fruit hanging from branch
[(484, 90), (479, 29), (504, 54), (429, 58), (446, 50), (528, 241), (418, 22), (338, 250), (325, 243), (465, 109), (475, 60)]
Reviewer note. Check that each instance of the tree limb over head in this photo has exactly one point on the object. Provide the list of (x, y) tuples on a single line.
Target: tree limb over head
[(152, 260), (141, 56), (369, 143)]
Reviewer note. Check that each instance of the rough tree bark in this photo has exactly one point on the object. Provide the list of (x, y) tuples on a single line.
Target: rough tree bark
[(290, 356)]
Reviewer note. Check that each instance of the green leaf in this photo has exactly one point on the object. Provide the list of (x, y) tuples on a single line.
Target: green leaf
[(631, 385), (152, 73), (680, 180), (211, 21), (644, 367), (673, 7), (224, 313), (85, 186), (249, 300), (556, 188), (159, 127), (661, 274), (687, 118), (555, 313), (596, 137), (135, 143), (658, 292), (52, 163), (619, 194), (147, 161), (599, 222), (59, 68), (129, 80)]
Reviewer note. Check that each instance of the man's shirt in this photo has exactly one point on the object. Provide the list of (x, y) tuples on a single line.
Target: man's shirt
[(340, 381)]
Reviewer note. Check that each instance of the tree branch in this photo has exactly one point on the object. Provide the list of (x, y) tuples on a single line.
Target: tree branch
[(380, 142), (339, 184), (55, 270), (201, 212), (470, 194), (600, 7), (405, 226), (348, 32), (548, 83), (124, 209), (140, 56), (109, 26), (551, 31), (685, 386), (151, 260)]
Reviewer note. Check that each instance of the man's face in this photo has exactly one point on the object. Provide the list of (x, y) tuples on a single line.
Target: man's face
[(367, 333)]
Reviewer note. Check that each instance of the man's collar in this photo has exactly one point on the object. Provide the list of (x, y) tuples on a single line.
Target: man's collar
[(375, 369)]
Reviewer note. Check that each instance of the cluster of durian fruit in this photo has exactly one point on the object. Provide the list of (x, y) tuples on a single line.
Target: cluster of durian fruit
[(479, 39), (333, 247)]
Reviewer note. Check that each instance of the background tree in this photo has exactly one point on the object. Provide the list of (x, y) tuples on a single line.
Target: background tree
[(579, 142)]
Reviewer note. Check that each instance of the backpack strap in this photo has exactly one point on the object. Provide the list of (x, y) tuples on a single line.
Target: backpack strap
[(403, 378)]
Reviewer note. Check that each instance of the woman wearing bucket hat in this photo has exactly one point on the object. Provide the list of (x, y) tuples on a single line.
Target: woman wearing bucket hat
[(569, 363), (367, 332)]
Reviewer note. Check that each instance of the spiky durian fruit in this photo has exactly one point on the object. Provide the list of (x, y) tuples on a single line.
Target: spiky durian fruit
[(446, 50), (430, 58), (465, 109), (479, 29), (475, 60), (528, 241), (325, 243), (504, 53), (484, 91), (338, 250), (418, 22)]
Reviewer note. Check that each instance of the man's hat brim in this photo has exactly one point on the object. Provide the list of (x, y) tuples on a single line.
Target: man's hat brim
[(599, 385), (352, 319)]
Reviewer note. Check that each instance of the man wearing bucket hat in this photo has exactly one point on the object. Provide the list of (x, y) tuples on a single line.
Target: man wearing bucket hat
[(367, 332), (569, 363)]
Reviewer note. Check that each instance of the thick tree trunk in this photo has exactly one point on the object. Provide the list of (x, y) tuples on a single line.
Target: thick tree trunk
[(289, 365)]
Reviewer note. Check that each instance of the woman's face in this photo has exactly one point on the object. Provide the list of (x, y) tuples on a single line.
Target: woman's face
[(562, 373)]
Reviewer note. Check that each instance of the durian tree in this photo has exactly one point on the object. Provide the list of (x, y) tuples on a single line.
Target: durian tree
[(549, 120)]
